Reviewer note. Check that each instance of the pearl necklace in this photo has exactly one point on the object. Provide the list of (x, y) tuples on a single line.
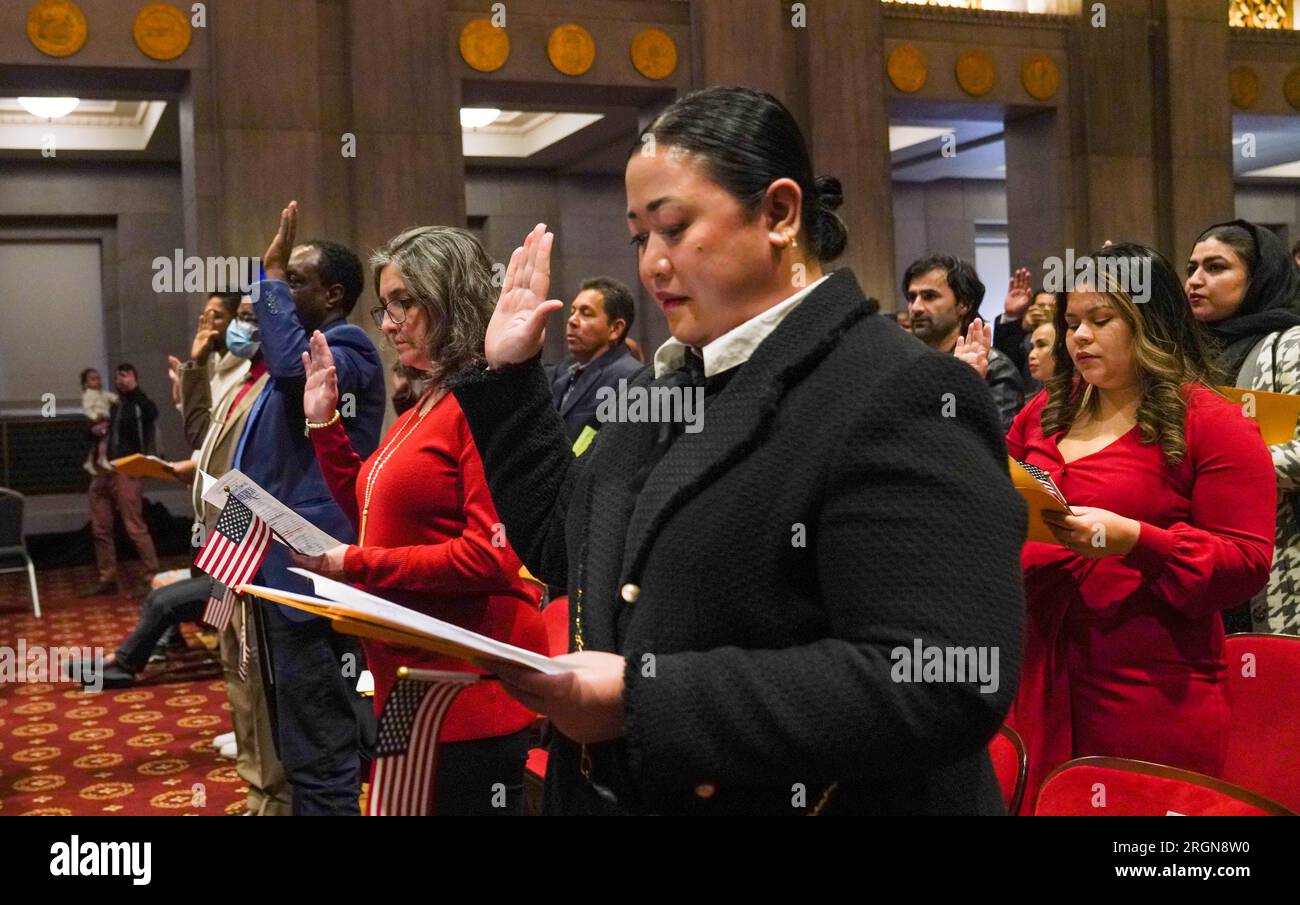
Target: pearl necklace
[(387, 453)]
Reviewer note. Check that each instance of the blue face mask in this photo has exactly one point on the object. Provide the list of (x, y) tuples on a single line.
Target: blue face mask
[(242, 339)]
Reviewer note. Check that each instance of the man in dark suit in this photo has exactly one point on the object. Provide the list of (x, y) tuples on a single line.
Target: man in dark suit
[(944, 296), (596, 334), (322, 724)]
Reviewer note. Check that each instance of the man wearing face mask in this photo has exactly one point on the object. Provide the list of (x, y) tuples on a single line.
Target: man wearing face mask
[(220, 428), (208, 350)]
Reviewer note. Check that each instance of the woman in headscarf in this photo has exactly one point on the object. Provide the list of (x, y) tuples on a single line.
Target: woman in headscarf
[(1242, 284)]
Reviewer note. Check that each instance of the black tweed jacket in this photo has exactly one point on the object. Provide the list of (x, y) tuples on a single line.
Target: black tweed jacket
[(847, 496)]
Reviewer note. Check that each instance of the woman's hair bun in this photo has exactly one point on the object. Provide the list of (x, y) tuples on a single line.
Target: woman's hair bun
[(828, 232), (830, 194)]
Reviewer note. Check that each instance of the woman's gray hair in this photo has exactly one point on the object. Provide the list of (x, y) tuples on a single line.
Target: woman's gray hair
[(449, 275)]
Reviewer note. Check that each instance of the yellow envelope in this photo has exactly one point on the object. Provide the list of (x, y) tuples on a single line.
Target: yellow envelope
[(369, 627), (138, 466), (1037, 498), (1276, 413)]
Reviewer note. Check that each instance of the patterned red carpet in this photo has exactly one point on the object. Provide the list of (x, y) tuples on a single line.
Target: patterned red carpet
[(142, 750)]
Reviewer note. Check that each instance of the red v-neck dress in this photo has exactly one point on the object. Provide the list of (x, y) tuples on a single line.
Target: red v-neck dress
[(433, 542), (1124, 655)]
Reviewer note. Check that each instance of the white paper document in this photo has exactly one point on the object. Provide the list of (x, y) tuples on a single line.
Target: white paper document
[(353, 603), (290, 527)]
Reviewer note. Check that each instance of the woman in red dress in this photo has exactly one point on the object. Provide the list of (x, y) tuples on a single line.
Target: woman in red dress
[(428, 535), (1173, 494)]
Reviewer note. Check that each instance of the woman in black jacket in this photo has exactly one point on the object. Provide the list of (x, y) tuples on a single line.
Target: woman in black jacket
[(749, 593)]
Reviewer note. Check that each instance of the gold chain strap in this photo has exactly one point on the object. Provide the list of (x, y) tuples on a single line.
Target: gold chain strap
[(380, 462), (821, 803)]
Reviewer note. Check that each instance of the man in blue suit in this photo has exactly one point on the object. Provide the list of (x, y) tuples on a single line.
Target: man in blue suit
[(322, 724)]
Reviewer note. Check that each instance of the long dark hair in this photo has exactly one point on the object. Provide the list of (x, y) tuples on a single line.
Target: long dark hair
[(1171, 349), (747, 140)]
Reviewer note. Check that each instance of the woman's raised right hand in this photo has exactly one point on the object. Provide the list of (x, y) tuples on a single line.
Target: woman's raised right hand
[(320, 397), (518, 326)]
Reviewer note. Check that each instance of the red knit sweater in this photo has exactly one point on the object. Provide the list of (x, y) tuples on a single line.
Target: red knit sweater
[(429, 545)]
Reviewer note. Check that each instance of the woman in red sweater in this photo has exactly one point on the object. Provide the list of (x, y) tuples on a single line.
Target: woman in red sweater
[(428, 535), (1173, 494)]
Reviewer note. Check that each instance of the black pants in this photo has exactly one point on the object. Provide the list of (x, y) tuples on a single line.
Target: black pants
[(483, 778), (322, 726), (163, 608)]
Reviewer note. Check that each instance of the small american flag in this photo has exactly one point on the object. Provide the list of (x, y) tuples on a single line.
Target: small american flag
[(1045, 479), (406, 755), (236, 547), (220, 607)]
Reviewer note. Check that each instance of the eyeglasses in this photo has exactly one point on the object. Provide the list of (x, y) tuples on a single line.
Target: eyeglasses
[(396, 312)]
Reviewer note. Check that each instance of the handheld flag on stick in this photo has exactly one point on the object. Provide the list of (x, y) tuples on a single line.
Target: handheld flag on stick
[(220, 607), (406, 756), (1045, 479), (232, 555)]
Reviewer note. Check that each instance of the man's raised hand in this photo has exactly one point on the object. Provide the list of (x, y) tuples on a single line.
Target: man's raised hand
[(275, 263)]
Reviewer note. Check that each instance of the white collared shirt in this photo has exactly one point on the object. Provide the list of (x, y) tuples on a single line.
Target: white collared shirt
[(736, 345)]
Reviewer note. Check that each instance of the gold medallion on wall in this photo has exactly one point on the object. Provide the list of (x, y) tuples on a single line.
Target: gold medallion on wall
[(161, 31), (1291, 88), (56, 28), (483, 46), (975, 72), (654, 53), (1040, 76), (571, 49), (906, 68), (1243, 87)]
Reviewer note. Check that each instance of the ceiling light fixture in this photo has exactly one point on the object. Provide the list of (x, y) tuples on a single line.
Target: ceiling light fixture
[(478, 117), (49, 107)]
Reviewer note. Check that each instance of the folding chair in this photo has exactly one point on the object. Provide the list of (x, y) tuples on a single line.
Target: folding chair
[(13, 552)]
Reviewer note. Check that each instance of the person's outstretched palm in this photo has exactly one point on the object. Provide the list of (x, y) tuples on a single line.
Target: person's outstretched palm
[(518, 326), (321, 396), (1018, 295)]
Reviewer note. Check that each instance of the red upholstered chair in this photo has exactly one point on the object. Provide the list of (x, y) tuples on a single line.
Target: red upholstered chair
[(556, 618), (1118, 787), (1009, 763), (1264, 698)]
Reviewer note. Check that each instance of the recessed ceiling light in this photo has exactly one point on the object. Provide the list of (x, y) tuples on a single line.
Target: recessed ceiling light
[(49, 107), (901, 137), (478, 117)]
